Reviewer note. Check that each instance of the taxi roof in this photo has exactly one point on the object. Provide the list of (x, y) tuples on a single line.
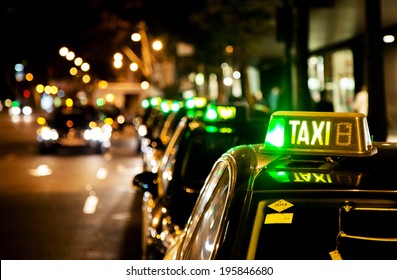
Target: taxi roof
[(226, 113), (284, 173)]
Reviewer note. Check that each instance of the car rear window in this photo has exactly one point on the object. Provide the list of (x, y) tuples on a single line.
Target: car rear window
[(375, 172), (202, 151), (80, 116)]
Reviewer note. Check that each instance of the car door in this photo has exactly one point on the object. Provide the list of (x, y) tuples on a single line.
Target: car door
[(205, 223)]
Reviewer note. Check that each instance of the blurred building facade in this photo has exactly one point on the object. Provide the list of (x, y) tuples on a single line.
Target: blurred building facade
[(339, 45)]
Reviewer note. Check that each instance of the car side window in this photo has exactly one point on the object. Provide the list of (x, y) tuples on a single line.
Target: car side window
[(168, 161), (203, 228)]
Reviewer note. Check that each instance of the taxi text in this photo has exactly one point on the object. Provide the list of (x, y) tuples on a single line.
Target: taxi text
[(319, 133)]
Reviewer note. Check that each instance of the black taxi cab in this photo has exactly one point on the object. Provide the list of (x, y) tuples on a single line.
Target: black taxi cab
[(169, 194), (318, 188), (147, 118), (154, 146), (74, 126)]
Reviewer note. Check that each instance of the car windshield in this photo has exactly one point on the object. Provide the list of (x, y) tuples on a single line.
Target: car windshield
[(317, 228)]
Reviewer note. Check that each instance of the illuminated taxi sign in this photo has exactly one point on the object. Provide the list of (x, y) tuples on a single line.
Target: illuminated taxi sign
[(155, 102), (220, 113), (325, 133), (145, 103), (196, 102), (227, 112), (167, 106)]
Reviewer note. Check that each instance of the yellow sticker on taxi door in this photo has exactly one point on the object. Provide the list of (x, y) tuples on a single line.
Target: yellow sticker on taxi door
[(279, 218), (280, 205)]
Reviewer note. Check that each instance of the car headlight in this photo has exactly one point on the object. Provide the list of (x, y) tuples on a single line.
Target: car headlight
[(97, 133), (46, 133), (120, 119), (92, 134), (14, 111), (142, 130), (27, 110)]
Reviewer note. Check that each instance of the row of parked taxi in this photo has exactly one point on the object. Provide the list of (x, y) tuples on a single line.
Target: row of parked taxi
[(179, 142), (223, 182)]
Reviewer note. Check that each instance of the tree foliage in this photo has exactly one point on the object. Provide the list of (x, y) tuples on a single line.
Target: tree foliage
[(242, 24)]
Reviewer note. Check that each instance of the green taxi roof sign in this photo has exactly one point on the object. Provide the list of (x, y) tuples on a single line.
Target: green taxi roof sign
[(196, 102), (220, 113), (319, 133)]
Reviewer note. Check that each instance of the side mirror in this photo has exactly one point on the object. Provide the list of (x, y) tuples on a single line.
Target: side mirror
[(146, 182)]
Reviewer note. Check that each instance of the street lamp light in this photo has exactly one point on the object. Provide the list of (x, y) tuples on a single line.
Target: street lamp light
[(78, 61), (136, 37), (134, 67), (157, 45), (63, 51), (118, 60), (85, 66), (145, 64), (70, 56)]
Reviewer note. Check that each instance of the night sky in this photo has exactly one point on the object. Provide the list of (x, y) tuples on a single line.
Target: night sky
[(33, 31)]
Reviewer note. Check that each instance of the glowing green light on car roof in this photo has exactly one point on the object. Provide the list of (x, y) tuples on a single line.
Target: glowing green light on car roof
[(165, 106), (227, 112), (220, 113), (200, 102), (275, 133), (169, 105), (196, 102), (145, 103), (100, 102), (155, 101), (211, 114), (189, 103), (175, 106), (319, 133)]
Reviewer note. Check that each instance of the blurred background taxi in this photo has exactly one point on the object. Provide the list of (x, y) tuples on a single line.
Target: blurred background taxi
[(74, 126), (170, 192)]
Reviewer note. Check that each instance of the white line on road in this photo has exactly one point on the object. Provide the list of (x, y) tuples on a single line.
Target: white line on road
[(90, 204)]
